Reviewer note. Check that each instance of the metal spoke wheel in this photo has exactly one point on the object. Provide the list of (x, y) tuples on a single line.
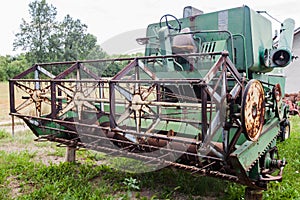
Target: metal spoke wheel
[(253, 109), (136, 108), (39, 98), (76, 98)]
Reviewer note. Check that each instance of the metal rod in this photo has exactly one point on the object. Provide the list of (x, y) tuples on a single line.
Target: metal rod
[(141, 145), (207, 172), (128, 59), (12, 96), (204, 113), (118, 130), (13, 125), (53, 99), (197, 81), (152, 103)]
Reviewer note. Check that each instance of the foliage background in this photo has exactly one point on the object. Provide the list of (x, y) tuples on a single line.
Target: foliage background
[(45, 39)]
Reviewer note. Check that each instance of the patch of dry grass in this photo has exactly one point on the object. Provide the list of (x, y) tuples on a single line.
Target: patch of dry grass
[(4, 101)]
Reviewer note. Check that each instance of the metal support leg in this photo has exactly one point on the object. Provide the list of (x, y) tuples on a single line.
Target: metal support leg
[(13, 125), (253, 194), (71, 154)]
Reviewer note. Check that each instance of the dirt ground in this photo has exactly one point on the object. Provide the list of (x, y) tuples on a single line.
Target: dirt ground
[(23, 140), (19, 126)]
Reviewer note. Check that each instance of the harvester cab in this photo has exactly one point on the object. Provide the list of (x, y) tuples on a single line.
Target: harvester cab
[(244, 33), (205, 97)]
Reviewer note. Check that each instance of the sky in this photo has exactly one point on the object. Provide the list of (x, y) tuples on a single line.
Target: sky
[(108, 18)]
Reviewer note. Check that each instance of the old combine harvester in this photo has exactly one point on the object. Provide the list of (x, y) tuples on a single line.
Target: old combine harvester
[(205, 97)]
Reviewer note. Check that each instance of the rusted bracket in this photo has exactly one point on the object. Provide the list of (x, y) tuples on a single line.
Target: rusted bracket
[(268, 177)]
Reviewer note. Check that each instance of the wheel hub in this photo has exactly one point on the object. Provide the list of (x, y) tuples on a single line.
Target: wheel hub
[(136, 102)]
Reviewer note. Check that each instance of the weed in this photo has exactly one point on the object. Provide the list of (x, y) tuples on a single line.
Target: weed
[(131, 184), (4, 134)]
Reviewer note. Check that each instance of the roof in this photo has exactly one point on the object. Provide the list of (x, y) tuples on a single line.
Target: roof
[(296, 31)]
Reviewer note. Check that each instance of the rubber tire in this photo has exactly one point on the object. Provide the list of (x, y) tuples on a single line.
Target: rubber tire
[(285, 130)]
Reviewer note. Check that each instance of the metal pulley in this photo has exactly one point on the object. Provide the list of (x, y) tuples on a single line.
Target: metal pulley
[(253, 109)]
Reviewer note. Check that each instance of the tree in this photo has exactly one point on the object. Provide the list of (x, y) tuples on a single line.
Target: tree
[(96, 53), (16, 65), (45, 39), (76, 43), (35, 35), (11, 66), (3, 64)]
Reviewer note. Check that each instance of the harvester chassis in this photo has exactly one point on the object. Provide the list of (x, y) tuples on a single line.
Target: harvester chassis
[(220, 160)]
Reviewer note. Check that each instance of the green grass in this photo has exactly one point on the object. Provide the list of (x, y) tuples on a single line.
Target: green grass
[(22, 176), (35, 180), (289, 188)]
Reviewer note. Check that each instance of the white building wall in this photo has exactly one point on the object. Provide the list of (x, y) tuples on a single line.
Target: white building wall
[(292, 72)]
